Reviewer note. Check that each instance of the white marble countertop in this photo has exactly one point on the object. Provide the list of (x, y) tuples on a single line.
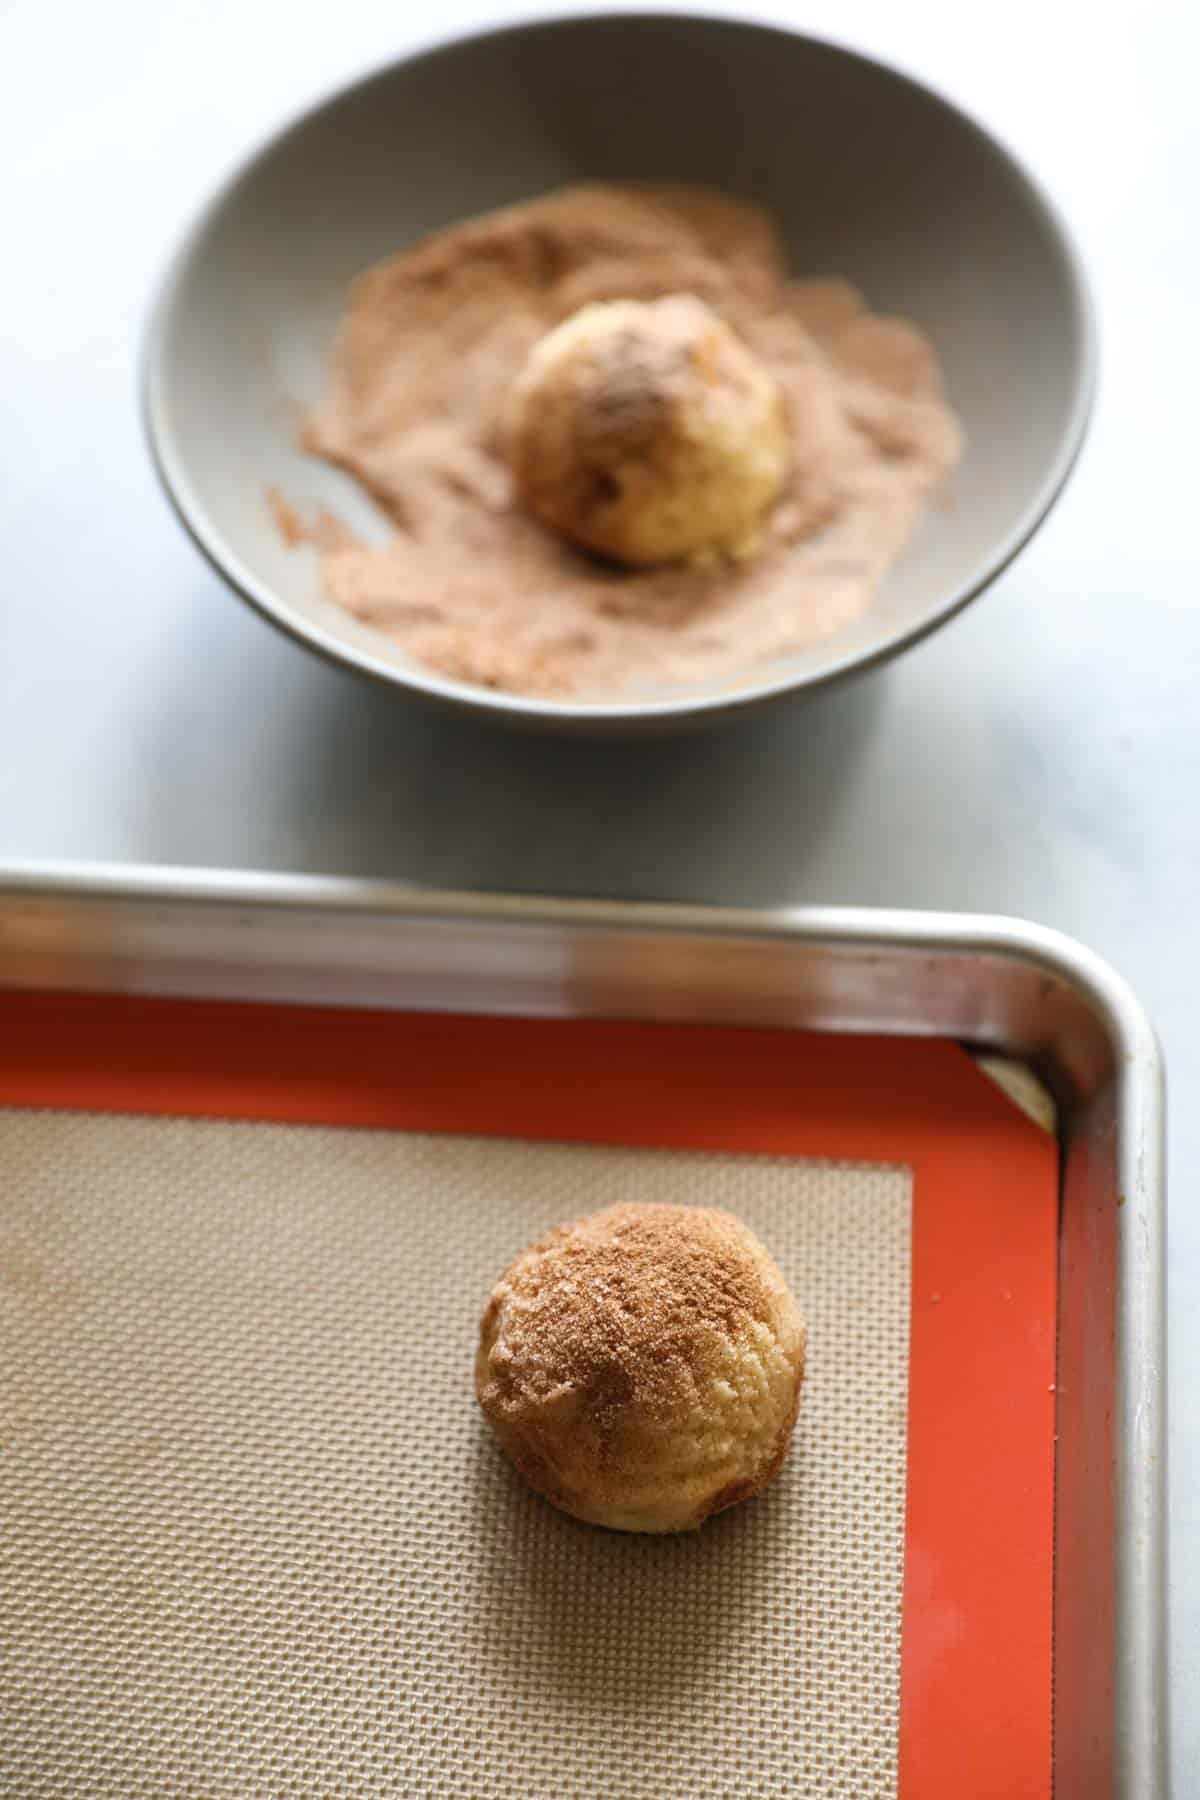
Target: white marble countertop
[(1038, 757)]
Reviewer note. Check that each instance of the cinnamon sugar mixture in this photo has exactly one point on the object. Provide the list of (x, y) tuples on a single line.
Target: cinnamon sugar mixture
[(414, 409)]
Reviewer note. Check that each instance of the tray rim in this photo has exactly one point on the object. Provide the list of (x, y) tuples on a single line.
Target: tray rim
[(115, 928)]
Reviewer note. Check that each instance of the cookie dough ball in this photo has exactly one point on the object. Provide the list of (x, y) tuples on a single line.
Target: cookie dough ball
[(646, 431), (642, 1367)]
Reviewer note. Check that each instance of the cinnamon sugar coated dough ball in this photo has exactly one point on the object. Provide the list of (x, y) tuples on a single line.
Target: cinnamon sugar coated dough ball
[(642, 1366), (647, 431)]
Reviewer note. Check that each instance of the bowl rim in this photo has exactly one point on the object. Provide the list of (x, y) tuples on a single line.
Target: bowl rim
[(428, 683)]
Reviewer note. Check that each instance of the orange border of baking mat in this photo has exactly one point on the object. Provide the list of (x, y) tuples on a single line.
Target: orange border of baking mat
[(976, 1657)]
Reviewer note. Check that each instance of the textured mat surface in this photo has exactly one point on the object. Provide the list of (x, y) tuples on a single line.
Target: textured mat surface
[(257, 1542)]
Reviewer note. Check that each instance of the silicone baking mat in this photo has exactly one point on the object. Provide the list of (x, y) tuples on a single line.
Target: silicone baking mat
[(256, 1538)]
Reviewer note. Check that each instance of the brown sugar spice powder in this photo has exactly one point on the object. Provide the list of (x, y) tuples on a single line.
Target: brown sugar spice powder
[(422, 366)]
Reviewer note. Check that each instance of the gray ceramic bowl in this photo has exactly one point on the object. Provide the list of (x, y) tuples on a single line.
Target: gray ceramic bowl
[(871, 176)]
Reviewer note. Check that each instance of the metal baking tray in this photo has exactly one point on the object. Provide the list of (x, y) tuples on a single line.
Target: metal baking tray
[(995, 985)]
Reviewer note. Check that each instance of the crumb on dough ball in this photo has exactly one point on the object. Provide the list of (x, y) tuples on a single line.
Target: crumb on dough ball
[(642, 1366), (646, 431)]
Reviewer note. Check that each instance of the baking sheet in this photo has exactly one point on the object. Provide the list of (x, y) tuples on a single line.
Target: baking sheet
[(974, 1653)]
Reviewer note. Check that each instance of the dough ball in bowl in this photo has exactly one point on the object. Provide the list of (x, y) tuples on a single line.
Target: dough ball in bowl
[(642, 1366), (648, 432)]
